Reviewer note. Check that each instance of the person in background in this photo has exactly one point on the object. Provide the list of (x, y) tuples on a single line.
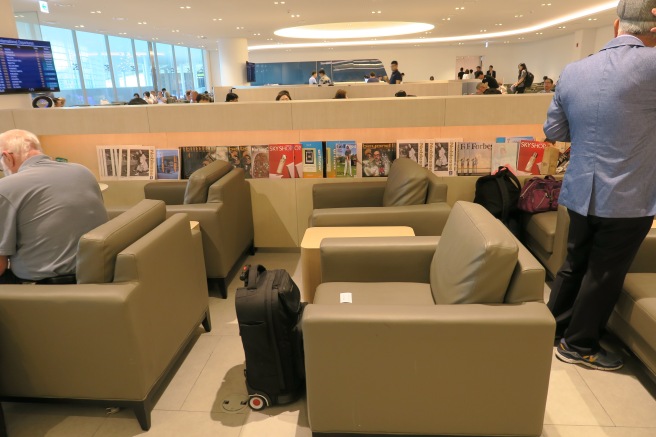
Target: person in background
[(232, 98), (491, 72), (166, 95), (461, 73), (60, 102), (283, 95), (45, 207), (519, 86), (340, 94), (479, 74), (372, 78), (323, 78), (609, 188), (466, 75), (203, 98), (137, 100), (188, 96), (548, 86), (490, 81), (313, 78), (395, 78), (193, 96), (147, 97), (480, 89)]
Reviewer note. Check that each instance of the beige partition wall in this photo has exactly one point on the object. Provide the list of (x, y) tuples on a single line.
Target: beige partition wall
[(281, 208)]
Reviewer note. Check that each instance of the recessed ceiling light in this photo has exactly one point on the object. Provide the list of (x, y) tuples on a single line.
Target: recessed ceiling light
[(546, 4), (80, 26), (559, 20), (592, 19), (539, 33), (376, 12), (122, 33), (175, 31), (142, 22), (257, 34), (562, 27), (498, 24), (240, 28), (118, 18), (519, 16), (217, 19), (295, 15), (460, 9), (185, 7), (368, 29), (96, 12)]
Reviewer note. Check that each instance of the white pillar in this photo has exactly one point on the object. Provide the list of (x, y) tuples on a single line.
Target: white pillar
[(233, 54), (584, 43), (8, 26)]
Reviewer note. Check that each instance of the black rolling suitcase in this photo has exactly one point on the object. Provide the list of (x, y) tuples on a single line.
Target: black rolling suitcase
[(269, 311)]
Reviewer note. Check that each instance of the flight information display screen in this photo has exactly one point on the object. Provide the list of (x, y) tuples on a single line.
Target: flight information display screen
[(26, 66)]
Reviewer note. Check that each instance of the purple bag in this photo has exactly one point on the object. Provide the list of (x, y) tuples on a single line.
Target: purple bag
[(540, 195)]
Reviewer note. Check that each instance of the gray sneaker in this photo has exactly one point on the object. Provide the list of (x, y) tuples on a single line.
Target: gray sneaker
[(602, 360)]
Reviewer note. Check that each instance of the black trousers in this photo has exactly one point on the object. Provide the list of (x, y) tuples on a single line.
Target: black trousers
[(520, 90), (599, 254), (8, 278)]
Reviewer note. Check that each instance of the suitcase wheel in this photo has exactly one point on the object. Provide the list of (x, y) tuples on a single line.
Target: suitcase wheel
[(257, 402)]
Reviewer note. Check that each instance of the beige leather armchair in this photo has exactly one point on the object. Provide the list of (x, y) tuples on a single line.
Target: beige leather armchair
[(545, 234), (219, 198), (444, 336), (112, 338), (411, 196), (634, 316)]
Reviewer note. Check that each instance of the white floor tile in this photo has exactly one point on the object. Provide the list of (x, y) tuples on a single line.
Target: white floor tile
[(570, 401), (595, 431), (34, 425), (175, 424), (222, 376), (626, 400), (184, 379)]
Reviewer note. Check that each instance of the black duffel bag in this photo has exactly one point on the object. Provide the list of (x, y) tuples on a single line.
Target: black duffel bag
[(499, 194)]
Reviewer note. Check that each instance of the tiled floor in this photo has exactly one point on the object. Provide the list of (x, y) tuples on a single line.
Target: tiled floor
[(581, 403)]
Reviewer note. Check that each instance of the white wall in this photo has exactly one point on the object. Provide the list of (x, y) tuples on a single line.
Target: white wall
[(543, 58)]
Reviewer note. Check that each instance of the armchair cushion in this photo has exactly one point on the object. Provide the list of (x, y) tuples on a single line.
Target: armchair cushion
[(375, 293), (171, 192), (97, 249), (475, 258), (407, 184), (201, 180)]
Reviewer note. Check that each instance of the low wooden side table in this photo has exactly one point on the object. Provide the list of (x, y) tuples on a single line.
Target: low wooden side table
[(311, 253)]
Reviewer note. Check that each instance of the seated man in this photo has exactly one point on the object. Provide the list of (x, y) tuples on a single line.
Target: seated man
[(45, 207), (548, 85), (372, 78)]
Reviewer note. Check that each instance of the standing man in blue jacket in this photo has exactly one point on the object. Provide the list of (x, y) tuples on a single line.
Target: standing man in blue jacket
[(605, 105)]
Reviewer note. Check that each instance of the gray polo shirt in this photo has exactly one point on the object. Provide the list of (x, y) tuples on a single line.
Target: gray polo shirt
[(44, 210)]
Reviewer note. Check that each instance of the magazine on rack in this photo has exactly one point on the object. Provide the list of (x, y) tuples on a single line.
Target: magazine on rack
[(377, 159)]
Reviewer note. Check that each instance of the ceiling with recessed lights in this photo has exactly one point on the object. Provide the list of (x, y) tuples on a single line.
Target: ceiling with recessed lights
[(199, 23)]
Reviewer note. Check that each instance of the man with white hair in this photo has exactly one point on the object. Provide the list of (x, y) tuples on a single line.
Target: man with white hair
[(610, 184), (45, 207)]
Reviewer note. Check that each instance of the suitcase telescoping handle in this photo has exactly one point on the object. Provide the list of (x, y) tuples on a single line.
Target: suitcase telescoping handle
[(249, 275)]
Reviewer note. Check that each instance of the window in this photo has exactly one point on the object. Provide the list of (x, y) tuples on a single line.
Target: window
[(144, 65), (184, 69), (125, 72), (198, 70), (68, 71), (95, 68), (166, 77)]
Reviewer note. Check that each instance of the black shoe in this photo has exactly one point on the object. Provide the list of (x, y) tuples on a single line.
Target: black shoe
[(602, 360)]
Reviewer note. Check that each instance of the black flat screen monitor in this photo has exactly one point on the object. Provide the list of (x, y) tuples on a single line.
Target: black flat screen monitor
[(250, 72), (26, 66)]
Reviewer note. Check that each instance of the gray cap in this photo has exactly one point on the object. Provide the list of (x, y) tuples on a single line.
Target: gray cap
[(636, 10)]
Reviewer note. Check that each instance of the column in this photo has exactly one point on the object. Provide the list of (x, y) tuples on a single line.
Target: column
[(233, 54), (584, 43), (8, 26)]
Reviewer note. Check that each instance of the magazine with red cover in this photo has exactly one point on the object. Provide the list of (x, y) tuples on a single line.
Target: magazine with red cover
[(530, 156), (281, 161)]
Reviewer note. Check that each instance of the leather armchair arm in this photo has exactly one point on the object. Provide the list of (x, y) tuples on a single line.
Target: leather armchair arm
[(171, 192), (388, 357), (348, 195), (426, 219), (384, 259), (82, 332), (645, 260)]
